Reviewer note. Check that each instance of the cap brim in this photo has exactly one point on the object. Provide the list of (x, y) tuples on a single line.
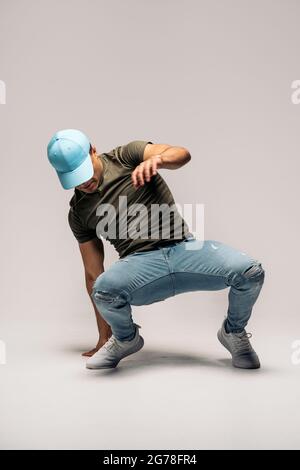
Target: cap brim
[(78, 176)]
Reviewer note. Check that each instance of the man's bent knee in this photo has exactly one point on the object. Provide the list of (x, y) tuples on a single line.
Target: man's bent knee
[(254, 273), (108, 291)]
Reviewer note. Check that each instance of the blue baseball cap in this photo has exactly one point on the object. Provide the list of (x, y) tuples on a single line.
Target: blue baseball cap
[(69, 153)]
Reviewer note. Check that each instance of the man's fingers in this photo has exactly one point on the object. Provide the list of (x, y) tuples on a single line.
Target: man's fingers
[(154, 167), (148, 170), (134, 178), (140, 175), (143, 172), (137, 177)]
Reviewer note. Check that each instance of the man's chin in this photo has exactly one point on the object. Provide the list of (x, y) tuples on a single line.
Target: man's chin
[(90, 189)]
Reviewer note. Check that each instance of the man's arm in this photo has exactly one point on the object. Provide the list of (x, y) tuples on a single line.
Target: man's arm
[(92, 253), (158, 156)]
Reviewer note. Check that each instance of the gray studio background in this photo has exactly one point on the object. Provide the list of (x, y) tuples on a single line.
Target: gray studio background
[(215, 77)]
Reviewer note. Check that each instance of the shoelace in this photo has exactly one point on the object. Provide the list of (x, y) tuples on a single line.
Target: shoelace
[(242, 343), (112, 342)]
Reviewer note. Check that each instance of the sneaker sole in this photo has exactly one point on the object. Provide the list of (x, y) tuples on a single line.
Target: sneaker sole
[(137, 347)]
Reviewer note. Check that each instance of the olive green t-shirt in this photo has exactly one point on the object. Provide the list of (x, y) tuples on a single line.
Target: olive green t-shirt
[(130, 219)]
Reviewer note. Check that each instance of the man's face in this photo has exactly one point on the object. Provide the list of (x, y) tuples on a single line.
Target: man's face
[(91, 185)]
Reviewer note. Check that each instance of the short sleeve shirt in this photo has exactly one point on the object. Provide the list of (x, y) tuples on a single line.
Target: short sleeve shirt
[(130, 219)]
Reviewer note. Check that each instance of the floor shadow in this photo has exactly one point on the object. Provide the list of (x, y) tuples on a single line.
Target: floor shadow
[(76, 349), (150, 358)]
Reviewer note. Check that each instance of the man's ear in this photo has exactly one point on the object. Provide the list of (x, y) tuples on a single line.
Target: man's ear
[(93, 150)]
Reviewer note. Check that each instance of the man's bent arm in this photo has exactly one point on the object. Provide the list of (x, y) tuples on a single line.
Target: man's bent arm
[(92, 253), (171, 157), (158, 156)]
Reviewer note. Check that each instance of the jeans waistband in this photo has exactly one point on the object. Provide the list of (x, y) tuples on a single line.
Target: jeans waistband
[(163, 243)]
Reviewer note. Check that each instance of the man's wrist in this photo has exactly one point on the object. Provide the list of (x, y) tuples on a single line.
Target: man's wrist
[(160, 161)]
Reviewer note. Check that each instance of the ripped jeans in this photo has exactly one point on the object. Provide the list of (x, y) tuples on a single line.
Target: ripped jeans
[(142, 278)]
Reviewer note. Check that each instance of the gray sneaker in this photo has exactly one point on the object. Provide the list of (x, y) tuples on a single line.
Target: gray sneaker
[(239, 346), (110, 354)]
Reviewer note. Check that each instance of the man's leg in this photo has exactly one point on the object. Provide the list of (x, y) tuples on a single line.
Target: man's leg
[(138, 279), (212, 265)]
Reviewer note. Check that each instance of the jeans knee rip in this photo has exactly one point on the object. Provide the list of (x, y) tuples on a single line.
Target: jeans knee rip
[(255, 272), (117, 298), (104, 296)]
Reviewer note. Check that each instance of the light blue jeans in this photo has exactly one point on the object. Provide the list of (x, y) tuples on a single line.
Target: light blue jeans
[(143, 278)]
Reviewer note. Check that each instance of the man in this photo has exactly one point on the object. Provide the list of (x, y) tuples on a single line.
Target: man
[(115, 196)]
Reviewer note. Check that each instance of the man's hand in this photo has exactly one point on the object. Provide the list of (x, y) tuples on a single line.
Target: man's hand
[(145, 170), (158, 156)]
